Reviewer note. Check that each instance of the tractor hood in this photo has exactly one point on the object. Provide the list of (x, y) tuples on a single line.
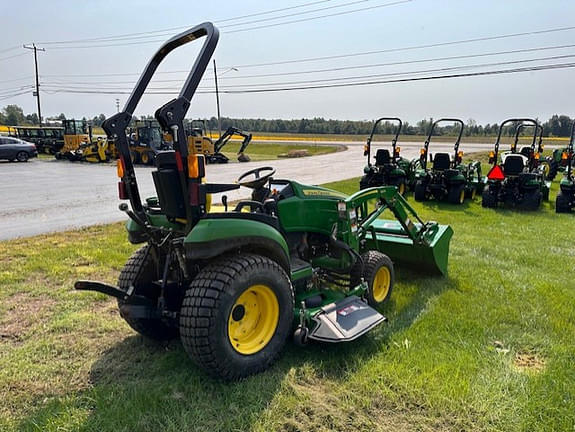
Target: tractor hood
[(315, 192)]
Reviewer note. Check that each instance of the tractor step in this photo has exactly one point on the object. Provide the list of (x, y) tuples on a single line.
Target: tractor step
[(344, 320)]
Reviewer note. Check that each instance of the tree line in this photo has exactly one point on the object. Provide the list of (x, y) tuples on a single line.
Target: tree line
[(557, 125)]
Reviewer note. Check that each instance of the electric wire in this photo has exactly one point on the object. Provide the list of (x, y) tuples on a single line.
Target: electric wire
[(334, 69), (340, 85), (107, 38), (327, 80)]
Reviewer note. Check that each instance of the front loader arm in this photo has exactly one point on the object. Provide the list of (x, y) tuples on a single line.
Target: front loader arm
[(388, 197)]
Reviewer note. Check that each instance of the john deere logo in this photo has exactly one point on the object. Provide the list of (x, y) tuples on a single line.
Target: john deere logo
[(319, 192)]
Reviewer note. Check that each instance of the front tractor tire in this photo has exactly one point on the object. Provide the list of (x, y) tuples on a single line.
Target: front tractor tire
[(456, 194), (237, 315), (379, 274), (139, 272)]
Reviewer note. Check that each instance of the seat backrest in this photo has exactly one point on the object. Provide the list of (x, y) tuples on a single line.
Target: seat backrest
[(382, 157), (168, 187), (441, 161), (513, 165)]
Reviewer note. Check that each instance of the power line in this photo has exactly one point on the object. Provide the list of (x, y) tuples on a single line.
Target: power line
[(349, 55), (355, 84), (398, 2), (13, 56), (126, 35), (296, 14), (437, 77), (320, 17), (326, 80), (323, 80), (338, 69)]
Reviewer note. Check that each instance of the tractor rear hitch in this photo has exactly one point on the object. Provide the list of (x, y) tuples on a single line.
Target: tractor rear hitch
[(111, 290)]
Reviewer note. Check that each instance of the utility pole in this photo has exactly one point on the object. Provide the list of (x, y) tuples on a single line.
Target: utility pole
[(37, 92), (117, 105), (217, 100)]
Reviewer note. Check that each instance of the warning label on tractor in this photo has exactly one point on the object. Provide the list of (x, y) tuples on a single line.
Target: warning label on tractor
[(348, 310)]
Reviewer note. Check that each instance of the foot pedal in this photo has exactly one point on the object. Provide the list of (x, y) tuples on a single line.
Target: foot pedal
[(344, 320)]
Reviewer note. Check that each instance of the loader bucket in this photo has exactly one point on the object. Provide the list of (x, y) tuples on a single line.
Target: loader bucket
[(429, 256)]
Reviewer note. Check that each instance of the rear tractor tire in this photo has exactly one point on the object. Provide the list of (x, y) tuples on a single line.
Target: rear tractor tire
[(562, 203), (456, 194), (237, 315), (488, 199), (532, 200), (419, 193), (139, 271)]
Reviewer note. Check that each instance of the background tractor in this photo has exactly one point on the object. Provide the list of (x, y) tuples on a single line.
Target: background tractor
[(294, 259), (200, 143), (448, 178), (565, 200), (388, 169), (79, 144), (146, 140), (518, 179)]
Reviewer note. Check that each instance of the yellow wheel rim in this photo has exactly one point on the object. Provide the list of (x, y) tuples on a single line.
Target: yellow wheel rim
[(381, 283), (145, 158), (461, 196), (401, 188), (253, 319)]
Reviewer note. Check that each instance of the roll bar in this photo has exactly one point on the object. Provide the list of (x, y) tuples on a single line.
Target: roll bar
[(367, 151), (170, 116), (570, 153), (429, 135), (524, 123)]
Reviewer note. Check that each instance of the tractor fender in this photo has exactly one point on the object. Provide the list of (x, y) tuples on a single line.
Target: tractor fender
[(213, 237)]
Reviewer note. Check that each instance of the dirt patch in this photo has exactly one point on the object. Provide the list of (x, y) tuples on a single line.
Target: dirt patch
[(529, 362), (22, 311)]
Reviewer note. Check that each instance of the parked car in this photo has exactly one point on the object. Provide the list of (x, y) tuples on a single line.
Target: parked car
[(16, 149)]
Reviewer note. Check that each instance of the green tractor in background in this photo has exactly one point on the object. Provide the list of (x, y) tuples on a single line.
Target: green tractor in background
[(388, 169), (293, 260), (448, 178), (565, 200), (518, 179)]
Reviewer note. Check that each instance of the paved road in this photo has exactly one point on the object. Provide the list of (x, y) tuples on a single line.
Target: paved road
[(48, 195)]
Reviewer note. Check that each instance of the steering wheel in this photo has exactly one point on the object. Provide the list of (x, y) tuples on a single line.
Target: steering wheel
[(258, 180)]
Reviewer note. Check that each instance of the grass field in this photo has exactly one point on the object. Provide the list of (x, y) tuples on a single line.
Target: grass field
[(488, 348), (262, 151)]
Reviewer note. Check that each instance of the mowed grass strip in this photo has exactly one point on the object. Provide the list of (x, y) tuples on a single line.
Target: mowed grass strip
[(488, 348), (261, 151)]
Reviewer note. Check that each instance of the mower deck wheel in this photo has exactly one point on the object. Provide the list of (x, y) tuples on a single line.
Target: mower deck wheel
[(237, 315)]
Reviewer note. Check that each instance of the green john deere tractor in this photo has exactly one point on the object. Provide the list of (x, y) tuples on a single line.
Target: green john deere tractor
[(518, 179), (565, 200), (293, 260), (448, 178), (388, 169)]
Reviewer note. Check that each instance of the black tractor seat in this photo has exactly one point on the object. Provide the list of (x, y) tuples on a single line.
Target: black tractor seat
[(441, 162), (513, 165), (167, 182), (382, 157)]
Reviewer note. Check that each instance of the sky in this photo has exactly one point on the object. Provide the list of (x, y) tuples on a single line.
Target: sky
[(74, 74)]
